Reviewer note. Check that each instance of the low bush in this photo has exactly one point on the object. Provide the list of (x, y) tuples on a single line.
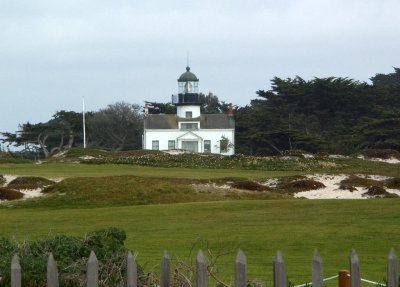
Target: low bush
[(71, 254), (381, 153), (29, 182), (377, 192), (354, 180), (250, 185), (10, 194), (393, 182), (13, 157), (300, 185), (189, 160), (345, 186)]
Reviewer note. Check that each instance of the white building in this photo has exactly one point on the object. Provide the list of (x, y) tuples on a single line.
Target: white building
[(189, 129)]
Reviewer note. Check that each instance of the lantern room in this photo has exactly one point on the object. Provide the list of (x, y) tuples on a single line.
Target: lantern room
[(188, 89)]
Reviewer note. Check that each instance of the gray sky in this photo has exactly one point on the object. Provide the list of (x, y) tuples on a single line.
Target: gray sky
[(52, 53)]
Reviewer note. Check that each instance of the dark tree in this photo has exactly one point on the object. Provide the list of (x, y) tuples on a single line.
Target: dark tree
[(117, 127), (63, 131), (336, 115)]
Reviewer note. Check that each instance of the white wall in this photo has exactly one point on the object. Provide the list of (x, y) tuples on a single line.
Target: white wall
[(181, 111), (214, 135)]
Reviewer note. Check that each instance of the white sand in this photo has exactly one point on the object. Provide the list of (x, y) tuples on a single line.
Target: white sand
[(31, 193), (391, 160), (28, 193), (332, 190), (8, 178)]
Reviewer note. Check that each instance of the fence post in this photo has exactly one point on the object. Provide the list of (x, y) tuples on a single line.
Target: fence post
[(392, 270), (201, 270), (52, 272), (344, 278), (92, 271), (165, 270), (279, 277), (317, 271), (355, 276), (131, 271), (240, 269), (15, 272)]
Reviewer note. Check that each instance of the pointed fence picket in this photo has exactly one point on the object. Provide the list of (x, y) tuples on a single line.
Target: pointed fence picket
[(131, 271), (201, 270), (165, 270), (392, 270), (52, 272), (355, 277), (15, 272), (317, 274), (240, 270), (279, 271)]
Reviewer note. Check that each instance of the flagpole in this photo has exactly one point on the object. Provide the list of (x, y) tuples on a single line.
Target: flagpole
[(84, 125)]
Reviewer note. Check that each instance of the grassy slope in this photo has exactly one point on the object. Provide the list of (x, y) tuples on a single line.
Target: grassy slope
[(295, 227), (86, 192)]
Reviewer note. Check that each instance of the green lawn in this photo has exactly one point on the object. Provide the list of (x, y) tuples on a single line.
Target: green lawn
[(260, 228)]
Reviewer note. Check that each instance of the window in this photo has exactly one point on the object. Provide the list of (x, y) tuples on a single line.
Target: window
[(189, 126), (155, 145), (189, 115), (171, 144), (207, 146)]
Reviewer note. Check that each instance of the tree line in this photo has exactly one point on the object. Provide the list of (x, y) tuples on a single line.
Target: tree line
[(332, 115)]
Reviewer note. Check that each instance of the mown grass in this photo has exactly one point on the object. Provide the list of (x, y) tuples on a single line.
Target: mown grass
[(260, 228)]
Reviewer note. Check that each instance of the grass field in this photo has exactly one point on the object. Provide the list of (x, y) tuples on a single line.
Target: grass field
[(259, 227)]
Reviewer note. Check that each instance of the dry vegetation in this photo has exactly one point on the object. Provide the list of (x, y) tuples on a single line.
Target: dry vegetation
[(10, 194), (2, 180), (29, 182)]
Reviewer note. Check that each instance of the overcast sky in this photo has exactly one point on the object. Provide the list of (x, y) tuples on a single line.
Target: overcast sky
[(54, 52)]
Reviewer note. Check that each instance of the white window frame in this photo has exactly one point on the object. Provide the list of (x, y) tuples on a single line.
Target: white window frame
[(170, 146), (155, 145)]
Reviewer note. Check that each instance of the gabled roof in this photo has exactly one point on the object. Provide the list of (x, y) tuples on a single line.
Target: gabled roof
[(190, 135), (160, 122), (207, 121)]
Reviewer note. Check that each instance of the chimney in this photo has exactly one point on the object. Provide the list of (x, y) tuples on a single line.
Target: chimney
[(230, 110)]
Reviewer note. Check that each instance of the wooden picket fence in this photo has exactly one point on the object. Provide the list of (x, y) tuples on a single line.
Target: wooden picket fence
[(279, 271)]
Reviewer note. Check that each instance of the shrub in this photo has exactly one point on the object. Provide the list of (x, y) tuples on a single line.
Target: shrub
[(30, 182), (381, 153), (306, 184), (376, 191), (2, 180), (300, 185), (71, 254), (354, 180), (10, 194), (345, 186), (250, 185), (393, 182)]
